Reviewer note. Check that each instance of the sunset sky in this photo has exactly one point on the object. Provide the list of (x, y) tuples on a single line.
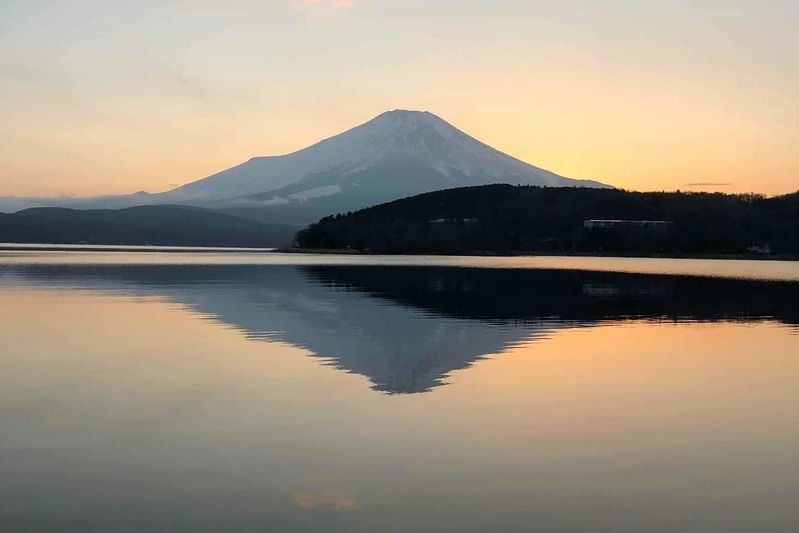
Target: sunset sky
[(102, 97)]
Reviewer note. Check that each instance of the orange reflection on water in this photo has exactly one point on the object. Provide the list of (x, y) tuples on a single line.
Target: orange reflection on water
[(638, 377), (633, 423)]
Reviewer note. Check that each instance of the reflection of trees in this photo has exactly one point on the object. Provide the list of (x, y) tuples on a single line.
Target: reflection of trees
[(406, 328), (534, 295)]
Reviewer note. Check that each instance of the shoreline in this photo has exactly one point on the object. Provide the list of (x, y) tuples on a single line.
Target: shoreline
[(146, 248), (736, 257), (19, 247)]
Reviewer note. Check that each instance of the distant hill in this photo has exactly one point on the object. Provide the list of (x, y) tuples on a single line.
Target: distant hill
[(157, 225), (512, 219)]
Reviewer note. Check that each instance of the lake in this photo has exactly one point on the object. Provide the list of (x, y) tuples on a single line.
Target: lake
[(196, 390)]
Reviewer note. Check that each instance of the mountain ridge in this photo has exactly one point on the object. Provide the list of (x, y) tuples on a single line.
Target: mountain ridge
[(155, 224), (418, 135), (397, 154)]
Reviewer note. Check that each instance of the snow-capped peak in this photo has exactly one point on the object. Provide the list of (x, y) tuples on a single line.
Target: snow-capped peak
[(417, 136)]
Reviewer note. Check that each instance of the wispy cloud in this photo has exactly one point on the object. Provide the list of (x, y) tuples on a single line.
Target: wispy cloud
[(329, 500), (330, 4), (708, 184)]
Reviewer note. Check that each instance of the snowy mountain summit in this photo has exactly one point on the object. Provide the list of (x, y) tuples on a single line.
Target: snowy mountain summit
[(397, 154)]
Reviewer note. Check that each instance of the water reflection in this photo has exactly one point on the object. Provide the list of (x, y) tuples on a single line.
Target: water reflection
[(135, 402), (542, 296), (386, 322)]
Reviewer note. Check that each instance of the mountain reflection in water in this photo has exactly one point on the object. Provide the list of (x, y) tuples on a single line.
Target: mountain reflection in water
[(407, 328)]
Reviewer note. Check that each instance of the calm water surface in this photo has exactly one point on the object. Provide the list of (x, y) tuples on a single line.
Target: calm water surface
[(211, 391)]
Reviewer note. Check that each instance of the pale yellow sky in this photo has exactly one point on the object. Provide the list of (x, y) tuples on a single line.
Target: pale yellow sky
[(101, 99)]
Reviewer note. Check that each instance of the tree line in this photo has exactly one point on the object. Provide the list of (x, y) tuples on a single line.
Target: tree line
[(514, 219)]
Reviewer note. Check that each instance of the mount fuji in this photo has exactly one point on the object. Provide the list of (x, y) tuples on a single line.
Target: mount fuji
[(397, 154)]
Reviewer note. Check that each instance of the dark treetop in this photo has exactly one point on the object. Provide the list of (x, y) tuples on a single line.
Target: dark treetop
[(508, 219)]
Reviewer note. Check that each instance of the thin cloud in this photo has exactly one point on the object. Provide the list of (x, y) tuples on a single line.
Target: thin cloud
[(329, 500), (27, 74), (708, 184), (334, 4)]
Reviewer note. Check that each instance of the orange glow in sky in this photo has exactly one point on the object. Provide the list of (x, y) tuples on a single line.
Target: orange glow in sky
[(642, 95)]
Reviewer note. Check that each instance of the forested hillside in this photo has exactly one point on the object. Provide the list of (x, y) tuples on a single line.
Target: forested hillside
[(157, 225), (510, 219)]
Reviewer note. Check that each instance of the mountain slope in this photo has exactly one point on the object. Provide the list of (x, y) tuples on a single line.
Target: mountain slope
[(397, 136), (397, 154), (157, 225)]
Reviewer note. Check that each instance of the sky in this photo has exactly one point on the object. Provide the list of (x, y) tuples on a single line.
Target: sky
[(101, 97)]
